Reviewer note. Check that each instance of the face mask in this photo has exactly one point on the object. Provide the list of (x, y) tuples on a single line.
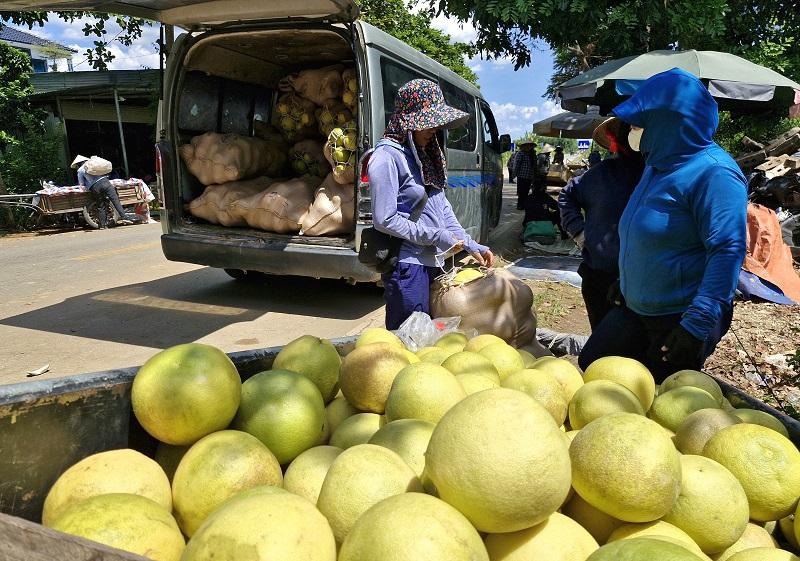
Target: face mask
[(634, 138)]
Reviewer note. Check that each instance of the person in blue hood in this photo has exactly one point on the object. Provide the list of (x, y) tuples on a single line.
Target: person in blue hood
[(682, 234)]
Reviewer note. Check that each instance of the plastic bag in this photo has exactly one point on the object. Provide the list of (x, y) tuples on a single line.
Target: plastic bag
[(419, 330)]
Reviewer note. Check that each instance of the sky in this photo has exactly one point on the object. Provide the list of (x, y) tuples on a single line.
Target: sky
[(515, 96)]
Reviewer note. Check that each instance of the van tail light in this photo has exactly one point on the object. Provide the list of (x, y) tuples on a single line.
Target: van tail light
[(159, 176), (364, 206)]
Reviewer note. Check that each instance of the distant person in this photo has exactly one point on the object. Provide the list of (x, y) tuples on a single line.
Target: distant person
[(542, 167), (102, 190), (591, 206), (682, 234), (524, 170), (511, 166), (558, 155)]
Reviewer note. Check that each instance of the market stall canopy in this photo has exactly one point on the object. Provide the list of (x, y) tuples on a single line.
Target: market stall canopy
[(737, 84), (569, 124)]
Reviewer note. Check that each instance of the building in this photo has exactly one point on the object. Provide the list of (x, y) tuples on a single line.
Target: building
[(46, 56)]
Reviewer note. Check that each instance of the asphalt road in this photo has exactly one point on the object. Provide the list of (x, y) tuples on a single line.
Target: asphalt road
[(90, 300)]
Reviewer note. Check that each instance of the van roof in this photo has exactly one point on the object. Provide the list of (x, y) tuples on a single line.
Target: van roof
[(374, 36)]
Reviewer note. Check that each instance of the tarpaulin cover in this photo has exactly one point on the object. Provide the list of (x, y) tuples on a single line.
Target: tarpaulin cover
[(767, 255)]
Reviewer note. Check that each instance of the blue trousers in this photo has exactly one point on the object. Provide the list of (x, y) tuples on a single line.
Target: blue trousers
[(623, 332), (407, 289)]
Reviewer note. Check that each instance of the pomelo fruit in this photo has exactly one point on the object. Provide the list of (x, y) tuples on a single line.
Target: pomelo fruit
[(284, 410), (378, 335), (599, 398), (563, 371), (765, 462), (504, 357), (263, 523), (712, 506), (596, 522), (671, 408), (626, 371), (367, 374), (337, 411), (357, 429), (699, 427), (499, 458), (409, 438), (478, 342), (128, 522), (473, 383), (764, 554), (168, 457), (466, 275), (316, 359), (453, 342), (558, 538), (787, 528), (305, 474), (423, 391), (214, 469), (571, 434), (413, 526), (425, 350), (756, 417), (437, 356), (359, 478), (656, 530), (753, 536), (186, 392), (412, 358), (625, 465), (527, 358), (643, 549), (114, 471), (542, 387), (693, 378), (467, 362)]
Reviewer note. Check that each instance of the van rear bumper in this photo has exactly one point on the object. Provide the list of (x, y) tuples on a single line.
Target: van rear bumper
[(276, 259)]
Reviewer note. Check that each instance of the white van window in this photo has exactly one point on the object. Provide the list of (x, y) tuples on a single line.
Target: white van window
[(490, 135), (465, 136), (394, 76)]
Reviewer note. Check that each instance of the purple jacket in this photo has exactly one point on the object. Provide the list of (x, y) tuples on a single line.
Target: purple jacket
[(396, 184)]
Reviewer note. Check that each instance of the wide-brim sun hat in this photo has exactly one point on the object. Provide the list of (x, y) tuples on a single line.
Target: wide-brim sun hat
[(609, 126), (547, 148), (420, 105), (78, 161)]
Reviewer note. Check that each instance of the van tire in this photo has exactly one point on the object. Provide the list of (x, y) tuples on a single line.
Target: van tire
[(246, 276)]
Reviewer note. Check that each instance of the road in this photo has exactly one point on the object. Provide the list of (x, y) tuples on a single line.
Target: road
[(90, 300)]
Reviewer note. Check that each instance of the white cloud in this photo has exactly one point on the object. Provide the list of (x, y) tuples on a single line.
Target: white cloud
[(459, 32), (516, 120)]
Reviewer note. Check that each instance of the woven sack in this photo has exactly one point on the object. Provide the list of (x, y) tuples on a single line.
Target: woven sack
[(215, 158), (280, 208), (317, 85), (333, 210), (214, 205), (98, 166)]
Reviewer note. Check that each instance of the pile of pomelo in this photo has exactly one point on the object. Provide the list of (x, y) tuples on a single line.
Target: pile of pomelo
[(468, 450)]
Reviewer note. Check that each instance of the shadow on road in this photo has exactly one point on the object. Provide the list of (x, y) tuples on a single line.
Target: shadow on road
[(188, 306)]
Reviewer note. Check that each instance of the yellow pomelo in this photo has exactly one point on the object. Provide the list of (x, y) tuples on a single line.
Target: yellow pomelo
[(756, 417), (765, 462), (542, 387), (316, 359), (284, 410), (263, 523), (499, 458), (571, 434), (216, 468), (693, 378), (643, 549), (558, 538), (359, 478), (473, 383), (436, 357), (412, 358), (596, 522), (367, 374), (726, 405), (305, 474), (337, 411), (453, 342), (656, 530), (712, 506), (408, 438), (753, 536), (504, 357), (325, 433), (356, 429), (423, 391), (764, 554), (413, 526), (527, 358), (625, 465), (127, 522), (699, 427), (378, 335), (168, 457), (477, 343), (563, 371), (467, 362), (626, 371), (115, 471), (186, 392), (599, 398), (671, 408), (425, 350), (466, 275), (787, 527)]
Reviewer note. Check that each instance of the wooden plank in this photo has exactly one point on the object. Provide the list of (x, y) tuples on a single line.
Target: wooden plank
[(21, 540)]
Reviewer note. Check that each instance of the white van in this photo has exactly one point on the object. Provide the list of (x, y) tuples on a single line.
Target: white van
[(222, 76)]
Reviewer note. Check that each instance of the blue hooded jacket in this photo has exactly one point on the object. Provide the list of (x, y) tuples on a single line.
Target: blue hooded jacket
[(683, 233)]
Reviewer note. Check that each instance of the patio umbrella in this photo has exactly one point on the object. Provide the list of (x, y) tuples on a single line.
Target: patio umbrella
[(569, 125), (737, 84)]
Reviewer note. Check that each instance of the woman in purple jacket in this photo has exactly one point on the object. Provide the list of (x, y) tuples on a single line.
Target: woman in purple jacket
[(407, 164)]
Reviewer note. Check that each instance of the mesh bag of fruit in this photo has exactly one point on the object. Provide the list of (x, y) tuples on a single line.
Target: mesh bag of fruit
[(307, 158), (294, 117), (340, 151), (350, 83), (332, 114)]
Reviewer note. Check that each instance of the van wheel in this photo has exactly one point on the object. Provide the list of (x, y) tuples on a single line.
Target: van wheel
[(247, 276)]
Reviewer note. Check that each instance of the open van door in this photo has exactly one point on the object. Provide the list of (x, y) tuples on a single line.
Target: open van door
[(202, 13)]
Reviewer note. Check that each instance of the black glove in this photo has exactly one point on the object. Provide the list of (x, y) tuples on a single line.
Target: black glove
[(681, 348), (614, 295)]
